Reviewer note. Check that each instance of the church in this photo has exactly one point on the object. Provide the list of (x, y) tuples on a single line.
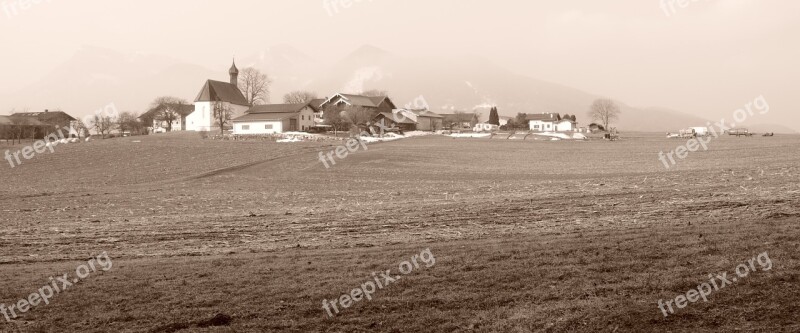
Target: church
[(213, 92)]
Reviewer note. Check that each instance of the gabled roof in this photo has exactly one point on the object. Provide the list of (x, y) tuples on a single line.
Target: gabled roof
[(272, 116), (427, 113), (390, 116), (362, 101), (44, 116), (181, 109), (543, 116), (21, 120), (221, 91), (277, 108), (316, 103)]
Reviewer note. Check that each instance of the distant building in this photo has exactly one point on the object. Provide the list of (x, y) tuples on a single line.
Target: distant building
[(156, 122), (217, 93), (428, 121), (376, 104), (550, 122), (485, 127), (58, 119), (274, 119)]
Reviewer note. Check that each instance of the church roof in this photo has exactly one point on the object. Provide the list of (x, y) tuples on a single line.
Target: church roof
[(233, 69), (221, 91)]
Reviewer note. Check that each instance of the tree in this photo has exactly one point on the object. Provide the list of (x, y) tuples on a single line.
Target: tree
[(222, 115), (605, 111), (375, 93), (103, 124), (126, 122), (358, 116), (167, 107), (299, 97), (494, 118), (333, 117), (254, 86)]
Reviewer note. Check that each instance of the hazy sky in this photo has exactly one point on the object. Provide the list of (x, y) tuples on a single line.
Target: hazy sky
[(708, 58)]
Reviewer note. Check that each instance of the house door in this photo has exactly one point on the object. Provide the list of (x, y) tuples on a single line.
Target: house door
[(292, 124)]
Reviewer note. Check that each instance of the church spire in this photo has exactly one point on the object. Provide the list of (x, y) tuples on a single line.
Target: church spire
[(234, 72)]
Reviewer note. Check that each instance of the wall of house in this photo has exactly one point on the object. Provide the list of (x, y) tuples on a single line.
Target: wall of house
[(565, 126), (429, 124), (258, 127), (542, 126), (202, 118), (305, 120)]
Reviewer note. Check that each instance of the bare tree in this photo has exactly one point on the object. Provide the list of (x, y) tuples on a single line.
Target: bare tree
[(605, 111), (103, 124), (299, 97), (358, 116), (255, 86), (334, 117), (168, 107), (375, 93), (126, 122), (222, 115)]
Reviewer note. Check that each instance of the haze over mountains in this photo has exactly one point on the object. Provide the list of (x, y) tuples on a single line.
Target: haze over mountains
[(95, 77)]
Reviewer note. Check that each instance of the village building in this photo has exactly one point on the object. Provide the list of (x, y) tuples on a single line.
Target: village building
[(217, 95), (57, 119), (551, 122), (274, 119), (158, 122), (428, 121)]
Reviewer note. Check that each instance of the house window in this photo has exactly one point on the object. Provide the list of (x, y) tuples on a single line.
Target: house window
[(245, 127), (302, 117), (268, 126)]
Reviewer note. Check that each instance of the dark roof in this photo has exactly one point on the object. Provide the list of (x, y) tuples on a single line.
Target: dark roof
[(233, 69), (272, 116), (182, 109), (364, 101), (316, 103), (426, 113), (221, 91), (45, 116), (390, 116), (24, 120), (277, 108), (543, 116)]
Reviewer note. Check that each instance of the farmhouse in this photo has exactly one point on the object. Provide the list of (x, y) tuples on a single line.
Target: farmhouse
[(58, 119), (18, 128), (343, 102), (428, 121), (402, 119), (217, 95), (158, 117), (275, 118)]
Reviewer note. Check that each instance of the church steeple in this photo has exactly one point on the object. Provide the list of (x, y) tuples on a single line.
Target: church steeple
[(234, 72)]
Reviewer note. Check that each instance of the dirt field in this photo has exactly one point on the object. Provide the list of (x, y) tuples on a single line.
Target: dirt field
[(219, 236)]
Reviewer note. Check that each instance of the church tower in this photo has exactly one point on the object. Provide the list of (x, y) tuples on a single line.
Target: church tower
[(234, 72)]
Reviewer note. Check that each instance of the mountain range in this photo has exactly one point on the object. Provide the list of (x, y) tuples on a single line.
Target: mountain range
[(94, 77)]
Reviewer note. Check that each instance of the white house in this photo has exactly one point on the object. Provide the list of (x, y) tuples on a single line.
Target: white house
[(160, 118), (217, 94), (275, 118), (543, 122), (566, 125)]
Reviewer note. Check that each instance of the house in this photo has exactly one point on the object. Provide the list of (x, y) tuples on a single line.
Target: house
[(217, 95), (543, 122), (58, 119), (159, 123), (16, 127), (427, 120), (402, 120), (504, 120), (275, 118), (377, 104), (566, 125), (461, 120)]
